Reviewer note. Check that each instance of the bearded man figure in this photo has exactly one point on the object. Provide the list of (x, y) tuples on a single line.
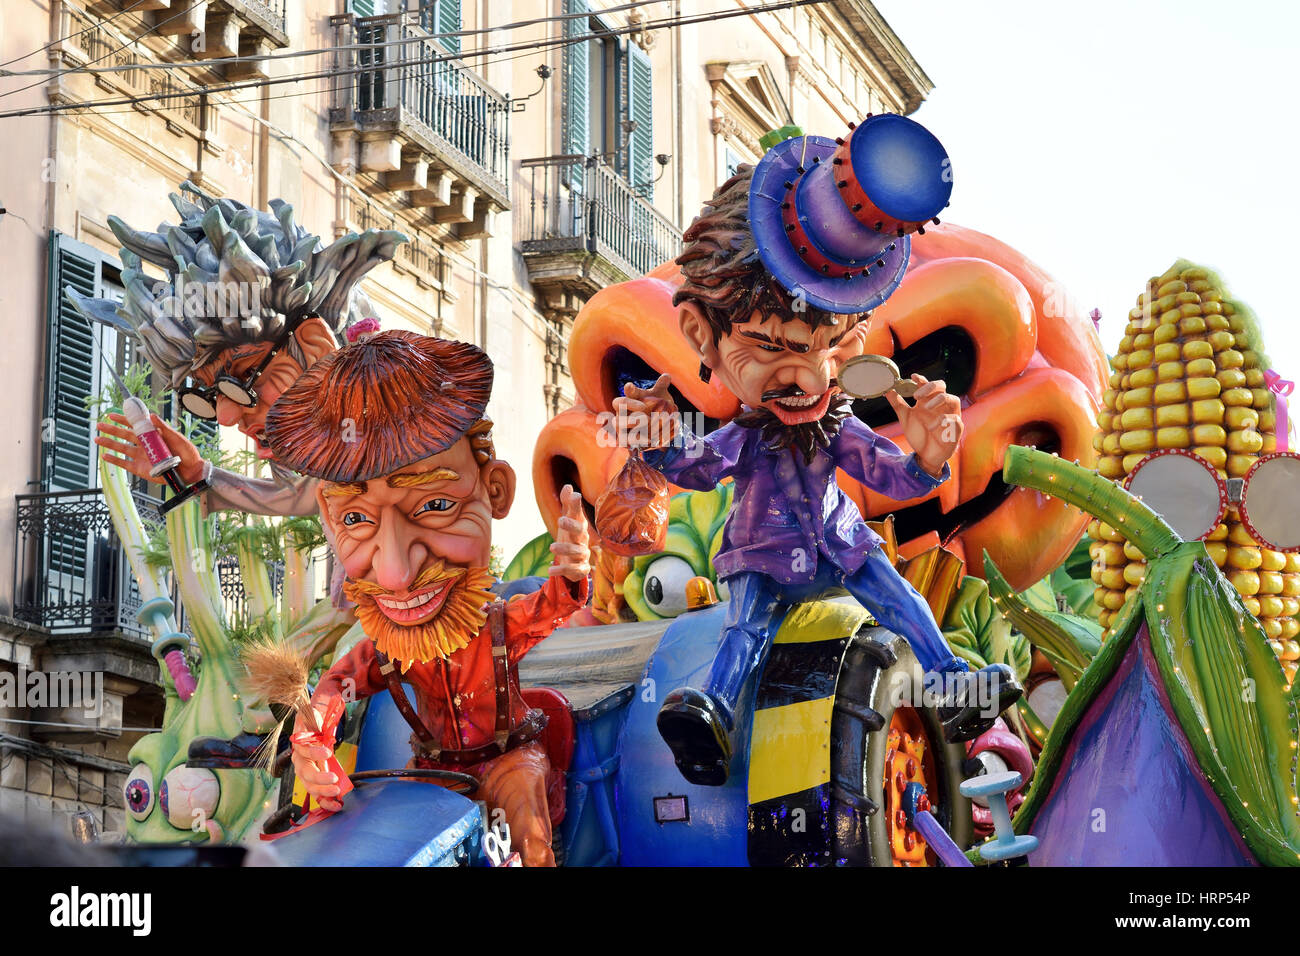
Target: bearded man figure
[(393, 428), (780, 271)]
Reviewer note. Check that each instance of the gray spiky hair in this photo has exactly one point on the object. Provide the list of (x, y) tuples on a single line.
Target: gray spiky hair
[(236, 276)]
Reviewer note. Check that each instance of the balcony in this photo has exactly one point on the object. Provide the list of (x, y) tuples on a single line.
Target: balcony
[(584, 227), (431, 134), (71, 577), (250, 29)]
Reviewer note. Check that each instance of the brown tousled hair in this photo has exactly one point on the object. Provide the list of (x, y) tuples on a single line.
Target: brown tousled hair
[(724, 275)]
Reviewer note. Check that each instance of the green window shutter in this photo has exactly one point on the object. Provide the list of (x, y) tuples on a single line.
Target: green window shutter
[(640, 109), (449, 22), (577, 99), (70, 372), (362, 8)]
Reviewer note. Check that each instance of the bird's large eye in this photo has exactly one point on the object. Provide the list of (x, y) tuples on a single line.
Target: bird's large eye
[(138, 792), (435, 504), (665, 585), (189, 794), (355, 518)]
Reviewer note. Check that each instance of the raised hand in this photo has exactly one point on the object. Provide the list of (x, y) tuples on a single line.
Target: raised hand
[(932, 425), (122, 448), (645, 417), (310, 764), (572, 548)]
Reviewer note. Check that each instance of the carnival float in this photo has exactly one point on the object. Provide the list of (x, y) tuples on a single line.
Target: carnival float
[(854, 553)]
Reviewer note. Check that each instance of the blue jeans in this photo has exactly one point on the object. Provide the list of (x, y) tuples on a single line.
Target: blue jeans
[(757, 599)]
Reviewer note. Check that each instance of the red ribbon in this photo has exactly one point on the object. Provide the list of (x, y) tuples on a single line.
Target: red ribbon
[(333, 714), (1281, 388)]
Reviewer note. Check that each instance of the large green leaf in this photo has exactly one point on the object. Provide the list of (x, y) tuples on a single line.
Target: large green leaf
[(533, 558), (976, 630)]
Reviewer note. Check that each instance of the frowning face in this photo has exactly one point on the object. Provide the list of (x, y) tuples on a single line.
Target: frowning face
[(415, 546), (787, 366)]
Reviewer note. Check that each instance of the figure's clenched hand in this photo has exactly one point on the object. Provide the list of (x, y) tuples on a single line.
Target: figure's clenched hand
[(311, 764), (572, 547), (932, 425), (122, 448), (645, 417)]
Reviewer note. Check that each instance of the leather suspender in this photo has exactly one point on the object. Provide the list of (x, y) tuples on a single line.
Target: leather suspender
[(428, 743)]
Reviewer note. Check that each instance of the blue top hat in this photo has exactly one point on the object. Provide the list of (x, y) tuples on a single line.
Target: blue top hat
[(832, 217)]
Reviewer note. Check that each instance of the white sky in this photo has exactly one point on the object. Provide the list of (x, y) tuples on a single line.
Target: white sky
[(1106, 139)]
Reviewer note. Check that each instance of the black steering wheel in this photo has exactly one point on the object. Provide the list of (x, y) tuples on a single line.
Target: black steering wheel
[(462, 783)]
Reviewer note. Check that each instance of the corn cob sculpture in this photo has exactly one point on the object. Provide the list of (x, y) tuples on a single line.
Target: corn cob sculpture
[(1189, 374)]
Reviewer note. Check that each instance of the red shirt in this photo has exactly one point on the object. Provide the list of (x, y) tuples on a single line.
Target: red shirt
[(456, 696)]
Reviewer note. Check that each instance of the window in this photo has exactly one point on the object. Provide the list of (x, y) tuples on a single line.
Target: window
[(442, 17), (608, 99)]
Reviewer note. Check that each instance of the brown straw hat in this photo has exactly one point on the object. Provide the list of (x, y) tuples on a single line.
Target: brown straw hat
[(378, 405)]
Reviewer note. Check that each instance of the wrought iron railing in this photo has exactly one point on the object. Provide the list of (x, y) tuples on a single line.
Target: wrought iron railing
[(72, 576), (581, 203), (403, 75), (419, 253), (265, 13)]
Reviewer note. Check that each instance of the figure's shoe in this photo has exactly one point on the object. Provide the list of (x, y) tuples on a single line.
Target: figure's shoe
[(696, 729), (968, 708), (237, 753)]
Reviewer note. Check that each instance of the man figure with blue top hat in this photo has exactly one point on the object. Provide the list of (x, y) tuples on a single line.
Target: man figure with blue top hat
[(781, 271)]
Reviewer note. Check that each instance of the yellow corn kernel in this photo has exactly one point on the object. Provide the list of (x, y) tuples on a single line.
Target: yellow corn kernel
[(1221, 340), (1218, 552), (1111, 578), (1290, 606), (1131, 461), (1106, 533), (1109, 396), (1139, 357), (1135, 397), (1261, 398), (1270, 582), (1252, 605), (1164, 303), (1110, 442), (1246, 582), (1104, 419), (1110, 467), (1200, 388), (1251, 358), (1216, 323), (1112, 600), (1172, 287), (1165, 333), (1220, 532), (1208, 411), (1238, 396), (1290, 649), (1272, 559), (1238, 417), (1197, 349), (1238, 534), (1293, 562), (1273, 630), (1209, 435), (1210, 306), (1201, 368), (1131, 553), (1231, 377), (1185, 298), (1169, 372), (1143, 417), (1134, 573), (1242, 341), (1217, 457), (1173, 438), (1139, 440), (1291, 585), (1197, 285), (1109, 554), (1142, 342), (1191, 324), (1167, 352), (1172, 415), (1168, 393), (1254, 374), (1238, 465), (1231, 358), (1142, 378), (1247, 441), (1270, 605), (1245, 559)]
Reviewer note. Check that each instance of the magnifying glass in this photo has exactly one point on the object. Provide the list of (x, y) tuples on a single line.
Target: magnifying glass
[(870, 376)]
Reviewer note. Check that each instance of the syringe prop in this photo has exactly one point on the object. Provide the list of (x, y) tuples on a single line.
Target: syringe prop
[(171, 647)]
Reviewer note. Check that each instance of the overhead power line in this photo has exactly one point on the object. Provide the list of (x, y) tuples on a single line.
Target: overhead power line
[(666, 23), (121, 13), (292, 54)]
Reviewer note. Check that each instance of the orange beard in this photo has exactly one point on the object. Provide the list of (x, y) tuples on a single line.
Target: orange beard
[(457, 622)]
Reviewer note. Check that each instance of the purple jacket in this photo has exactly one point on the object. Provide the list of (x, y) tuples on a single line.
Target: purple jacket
[(785, 515)]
